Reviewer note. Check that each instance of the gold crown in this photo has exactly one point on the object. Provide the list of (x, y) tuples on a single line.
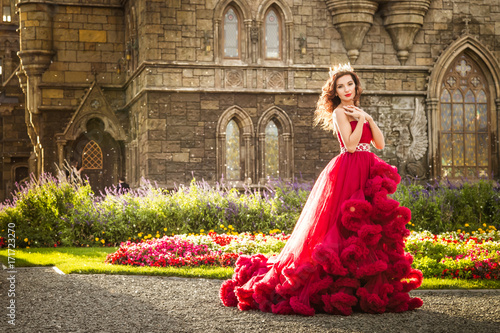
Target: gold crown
[(341, 68)]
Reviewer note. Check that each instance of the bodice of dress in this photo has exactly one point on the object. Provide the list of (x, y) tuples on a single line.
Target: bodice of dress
[(366, 135)]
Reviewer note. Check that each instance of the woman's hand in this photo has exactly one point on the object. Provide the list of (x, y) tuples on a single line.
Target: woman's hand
[(356, 112)]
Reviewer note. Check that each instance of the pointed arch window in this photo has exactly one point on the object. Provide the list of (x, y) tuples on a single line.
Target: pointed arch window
[(275, 146), (232, 34), (92, 156), (272, 158), (272, 38), (464, 118), (233, 153)]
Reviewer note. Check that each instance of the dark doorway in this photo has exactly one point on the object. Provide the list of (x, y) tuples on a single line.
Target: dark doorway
[(100, 156)]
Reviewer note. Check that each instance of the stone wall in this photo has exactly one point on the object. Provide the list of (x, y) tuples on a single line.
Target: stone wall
[(160, 66), (183, 59)]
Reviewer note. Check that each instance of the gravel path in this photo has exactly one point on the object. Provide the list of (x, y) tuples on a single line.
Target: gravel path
[(50, 302)]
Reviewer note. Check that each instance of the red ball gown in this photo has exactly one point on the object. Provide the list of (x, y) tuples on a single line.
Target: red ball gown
[(346, 252)]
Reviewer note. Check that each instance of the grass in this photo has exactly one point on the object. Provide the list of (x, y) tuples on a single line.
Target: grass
[(437, 283), (90, 260)]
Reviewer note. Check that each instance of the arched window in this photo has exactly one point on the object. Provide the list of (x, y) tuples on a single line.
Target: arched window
[(275, 147), (92, 156), (233, 154), (235, 148), (272, 30), (231, 34), (465, 125), (272, 157)]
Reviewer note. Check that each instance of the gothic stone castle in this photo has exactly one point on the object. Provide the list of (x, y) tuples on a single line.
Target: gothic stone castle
[(168, 90)]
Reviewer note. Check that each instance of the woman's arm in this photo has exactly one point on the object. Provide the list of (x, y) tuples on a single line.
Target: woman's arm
[(378, 138), (349, 137)]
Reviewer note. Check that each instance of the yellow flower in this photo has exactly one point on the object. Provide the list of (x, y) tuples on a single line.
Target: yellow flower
[(149, 236), (139, 234), (202, 230), (164, 229), (230, 226), (467, 225), (484, 224), (27, 247), (211, 230), (26, 240), (473, 232), (459, 231), (157, 235), (96, 239), (103, 232), (102, 241)]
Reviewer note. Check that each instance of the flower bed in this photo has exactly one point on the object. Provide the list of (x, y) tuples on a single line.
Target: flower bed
[(449, 255), (194, 250), (457, 254)]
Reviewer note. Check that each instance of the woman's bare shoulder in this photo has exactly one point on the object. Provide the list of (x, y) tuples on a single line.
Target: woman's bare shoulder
[(339, 110)]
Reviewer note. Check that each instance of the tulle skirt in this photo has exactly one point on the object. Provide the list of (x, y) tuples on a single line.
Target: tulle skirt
[(345, 253)]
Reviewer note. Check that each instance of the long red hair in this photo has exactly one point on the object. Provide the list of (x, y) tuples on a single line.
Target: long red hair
[(328, 101)]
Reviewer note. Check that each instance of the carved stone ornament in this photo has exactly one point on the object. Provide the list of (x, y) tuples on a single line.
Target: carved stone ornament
[(234, 78), (402, 20), (352, 19), (254, 34), (95, 104), (418, 130), (415, 169), (275, 80)]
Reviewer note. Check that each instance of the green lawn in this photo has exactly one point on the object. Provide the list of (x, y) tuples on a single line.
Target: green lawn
[(90, 260)]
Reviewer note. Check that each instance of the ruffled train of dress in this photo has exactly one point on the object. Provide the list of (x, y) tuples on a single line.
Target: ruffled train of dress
[(346, 252)]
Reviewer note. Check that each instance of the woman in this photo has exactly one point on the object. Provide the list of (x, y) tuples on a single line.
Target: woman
[(346, 251)]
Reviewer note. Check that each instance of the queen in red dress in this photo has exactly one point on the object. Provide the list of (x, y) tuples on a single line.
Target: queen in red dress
[(346, 251)]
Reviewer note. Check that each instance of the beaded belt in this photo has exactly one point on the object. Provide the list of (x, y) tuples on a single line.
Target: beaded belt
[(359, 147)]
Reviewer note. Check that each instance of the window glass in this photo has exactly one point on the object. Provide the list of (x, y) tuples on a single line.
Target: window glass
[(231, 34), (233, 168), (272, 150)]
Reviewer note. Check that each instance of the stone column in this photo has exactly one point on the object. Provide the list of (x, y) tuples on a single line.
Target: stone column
[(221, 156), (262, 158), (60, 152), (288, 160), (217, 37), (433, 130), (255, 38), (248, 42), (247, 137), (495, 133), (35, 53), (288, 49)]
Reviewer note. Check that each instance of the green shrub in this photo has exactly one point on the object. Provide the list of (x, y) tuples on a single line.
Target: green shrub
[(445, 206), (50, 212)]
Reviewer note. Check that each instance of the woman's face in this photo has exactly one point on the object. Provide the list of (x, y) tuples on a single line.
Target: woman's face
[(346, 88)]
